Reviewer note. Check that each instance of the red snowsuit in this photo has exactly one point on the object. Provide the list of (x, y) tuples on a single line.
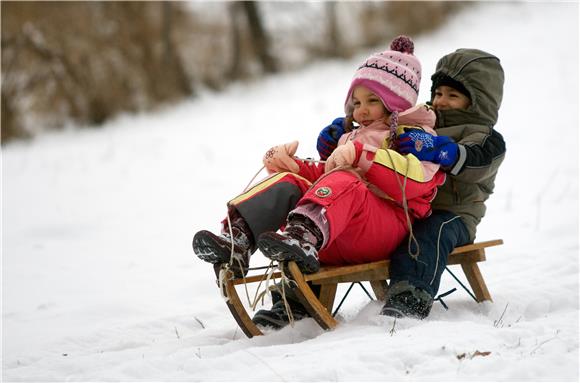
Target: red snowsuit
[(365, 217)]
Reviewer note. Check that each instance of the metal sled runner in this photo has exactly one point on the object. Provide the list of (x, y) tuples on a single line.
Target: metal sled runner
[(376, 273)]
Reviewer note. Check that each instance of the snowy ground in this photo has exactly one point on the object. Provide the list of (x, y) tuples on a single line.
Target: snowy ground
[(99, 281)]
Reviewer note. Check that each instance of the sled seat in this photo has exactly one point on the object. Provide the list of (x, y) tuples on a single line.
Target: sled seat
[(328, 278)]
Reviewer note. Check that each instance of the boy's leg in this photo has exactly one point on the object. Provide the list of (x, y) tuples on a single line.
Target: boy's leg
[(414, 283)]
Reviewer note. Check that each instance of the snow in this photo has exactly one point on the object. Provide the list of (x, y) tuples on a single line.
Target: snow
[(99, 281)]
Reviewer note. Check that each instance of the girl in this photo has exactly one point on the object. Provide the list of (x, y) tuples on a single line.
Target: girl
[(359, 205)]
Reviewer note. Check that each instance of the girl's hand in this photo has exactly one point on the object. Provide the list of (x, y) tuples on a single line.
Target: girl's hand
[(280, 158), (344, 155)]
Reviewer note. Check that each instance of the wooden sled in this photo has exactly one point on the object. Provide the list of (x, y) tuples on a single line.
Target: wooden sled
[(376, 273)]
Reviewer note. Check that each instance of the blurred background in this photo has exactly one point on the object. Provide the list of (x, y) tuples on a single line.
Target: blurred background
[(83, 63)]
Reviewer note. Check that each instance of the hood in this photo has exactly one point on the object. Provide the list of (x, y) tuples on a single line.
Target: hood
[(482, 75)]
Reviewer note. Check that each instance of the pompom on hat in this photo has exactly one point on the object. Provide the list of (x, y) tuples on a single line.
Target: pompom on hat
[(393, 75)]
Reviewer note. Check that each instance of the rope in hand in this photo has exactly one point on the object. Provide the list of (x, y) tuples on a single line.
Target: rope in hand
[(268, 275)]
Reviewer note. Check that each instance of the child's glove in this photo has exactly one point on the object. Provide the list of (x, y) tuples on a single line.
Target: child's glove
[(344, 155), (426, 147), (328, 138), (280, 158)]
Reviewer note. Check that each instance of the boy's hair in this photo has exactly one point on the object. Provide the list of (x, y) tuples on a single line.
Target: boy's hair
[(440, 79), (482, 75)]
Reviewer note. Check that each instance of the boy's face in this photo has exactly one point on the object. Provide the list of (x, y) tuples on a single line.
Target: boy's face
[(447, 97), (368, 107)]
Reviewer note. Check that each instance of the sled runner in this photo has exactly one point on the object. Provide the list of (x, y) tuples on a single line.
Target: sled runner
[(376, 273)]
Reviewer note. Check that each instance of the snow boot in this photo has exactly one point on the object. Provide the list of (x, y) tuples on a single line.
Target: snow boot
[(217, 249), (406, 300), (277, 317), (299, 242)]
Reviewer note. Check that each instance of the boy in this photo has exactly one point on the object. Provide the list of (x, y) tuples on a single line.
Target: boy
[(466, 93)]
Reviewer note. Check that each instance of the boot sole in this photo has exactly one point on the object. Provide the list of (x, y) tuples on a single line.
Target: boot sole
[(268, 318), (392, 312), (208, 248), (273, 247), (263, 319)]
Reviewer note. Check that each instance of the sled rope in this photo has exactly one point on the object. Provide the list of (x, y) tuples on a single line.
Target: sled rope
[(234, 257), (221, 282), (226, 267), (285, 281), (253, 178), (403, 187), (267, 277), (438, 246)]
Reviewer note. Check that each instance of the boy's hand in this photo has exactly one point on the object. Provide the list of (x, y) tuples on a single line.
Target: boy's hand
[(344, 155), (280, 158), (328, 138), (426, 147)]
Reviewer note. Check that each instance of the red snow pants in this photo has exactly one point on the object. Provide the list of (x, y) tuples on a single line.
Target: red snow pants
[(362, 227)]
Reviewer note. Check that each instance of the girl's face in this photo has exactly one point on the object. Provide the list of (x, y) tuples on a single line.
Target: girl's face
[(447, 97), (368, 107)]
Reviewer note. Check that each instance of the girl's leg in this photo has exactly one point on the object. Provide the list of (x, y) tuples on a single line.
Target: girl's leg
[(357, 225), (263, 207), (343, 219)]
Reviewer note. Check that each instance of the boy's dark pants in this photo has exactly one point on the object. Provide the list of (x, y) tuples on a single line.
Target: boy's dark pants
[(437, 236)]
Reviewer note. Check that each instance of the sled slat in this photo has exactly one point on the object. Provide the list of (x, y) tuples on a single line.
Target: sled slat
[(255, 278)]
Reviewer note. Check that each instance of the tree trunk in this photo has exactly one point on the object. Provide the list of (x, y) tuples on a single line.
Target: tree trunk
[(260, 39), (171, 58), (334, 46), (235, 71)]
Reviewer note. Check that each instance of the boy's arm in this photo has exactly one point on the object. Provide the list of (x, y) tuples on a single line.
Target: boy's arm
[(478, 160), (472, 159)]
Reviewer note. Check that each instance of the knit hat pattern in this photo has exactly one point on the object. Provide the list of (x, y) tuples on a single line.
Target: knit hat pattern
[(393, 75)]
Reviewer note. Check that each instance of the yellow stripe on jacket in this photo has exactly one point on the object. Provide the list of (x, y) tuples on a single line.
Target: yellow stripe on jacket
[(407, 164), (263, 185)]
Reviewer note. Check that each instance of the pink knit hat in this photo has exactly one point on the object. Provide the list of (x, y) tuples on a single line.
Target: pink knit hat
[(393, 75)]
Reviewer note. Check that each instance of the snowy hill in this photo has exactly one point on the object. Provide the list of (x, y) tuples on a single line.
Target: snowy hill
[(99, 281)]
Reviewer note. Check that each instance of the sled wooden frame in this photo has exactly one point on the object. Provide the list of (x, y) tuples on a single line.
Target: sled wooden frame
[(376, 273)]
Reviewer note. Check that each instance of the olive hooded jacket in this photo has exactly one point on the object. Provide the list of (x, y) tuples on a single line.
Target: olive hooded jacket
[(481, 149)]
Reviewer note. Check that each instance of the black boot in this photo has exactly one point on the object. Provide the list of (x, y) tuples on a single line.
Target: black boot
[(406, 300), (299, 242), (217, 249), (277, 317)]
